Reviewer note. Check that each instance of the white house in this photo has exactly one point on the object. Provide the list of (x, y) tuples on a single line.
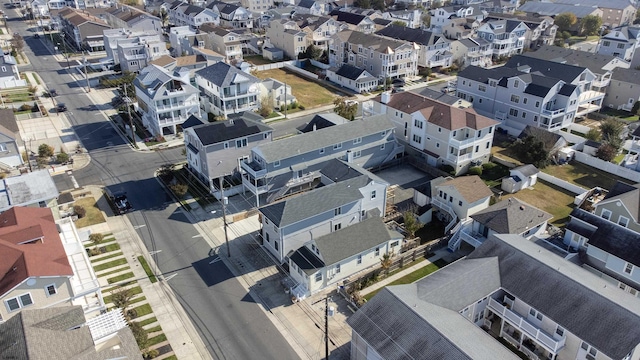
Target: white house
[(353, 78), (506, 36), (227, 90), (622, 42), (455, 199), (434, 49), (9, 73)]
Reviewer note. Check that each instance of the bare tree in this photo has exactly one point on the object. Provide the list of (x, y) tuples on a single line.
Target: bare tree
[(17, 42)]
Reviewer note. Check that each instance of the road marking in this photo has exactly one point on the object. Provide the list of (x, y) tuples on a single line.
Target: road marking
[(167, 278), (196, 236), (215, 260), (139, 226)]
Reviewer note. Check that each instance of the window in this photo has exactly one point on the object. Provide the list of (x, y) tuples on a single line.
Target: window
[(620, 46), (606, 214), (482, 88), (241, 143), (524, 100), (267, 237), (357, 154), (226, 145), (337, 268), (382, 147), (377, 251), (275, 244), (337, 211), (515, 99), (513, 112), (417, 123), (417, 139), (623, 221), (337, 227), (516, 83), (318, 276), (459, 203), (373, 194), (395, 243), (321, 151), (357, 140), (277, 163), (359, 260), (560, 331), (19, 302), (537, 103), (591, 352), (628, 268), (337, 146), (51, 289), (536, 314), (606, 43)]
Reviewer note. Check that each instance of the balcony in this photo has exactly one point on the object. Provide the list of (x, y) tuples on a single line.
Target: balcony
[(251, 186), (553, 113), (135, 57), (589, 96), (460, 158), (178, 105), (600, 83), (461, 144), (526, 327), (254, 169), (471, 238)]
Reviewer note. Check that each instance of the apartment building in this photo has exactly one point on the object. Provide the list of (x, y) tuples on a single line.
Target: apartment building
[(506, 36), (165, 99), (227, 42), (285, 34), (472, 52), (381, 57), (133, 51), (435, 50), (81, 30), (542, 30)]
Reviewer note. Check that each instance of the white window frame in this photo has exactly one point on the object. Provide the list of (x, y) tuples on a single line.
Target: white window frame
[(357, 140), (623, 221), (337, 146), (19, 301), (359, 259), (321, 151), (628, 268), (276, 163), (318, 276), (608, 214), (373, 194), (55, 290)]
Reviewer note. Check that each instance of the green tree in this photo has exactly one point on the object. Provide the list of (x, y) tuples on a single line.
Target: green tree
[(411, 223), (593, 134), (17, 42), (164, 17), (399, 23), (590, 25), (611, 130), (364, 4), (121, 297), (313, 52), (345, 109), (62, 157), (531, 150), (565, 21), (636, 107), (45, 150), (386, 261), (606, 152), (140, 334)]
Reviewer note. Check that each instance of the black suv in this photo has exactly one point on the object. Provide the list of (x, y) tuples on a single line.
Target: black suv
[(121, 203), (61, 107)]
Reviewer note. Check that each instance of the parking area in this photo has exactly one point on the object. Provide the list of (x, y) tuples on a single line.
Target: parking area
[(404, 175)]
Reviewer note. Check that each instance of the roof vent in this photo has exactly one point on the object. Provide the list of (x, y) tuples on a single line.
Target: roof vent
[(522, 207)]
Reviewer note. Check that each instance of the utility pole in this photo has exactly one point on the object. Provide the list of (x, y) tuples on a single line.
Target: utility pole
[(86, 75), (285, 100), (133, 131), (326, 327), (224, 215)]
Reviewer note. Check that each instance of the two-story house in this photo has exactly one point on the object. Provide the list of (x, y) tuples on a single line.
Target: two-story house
[(178, 37), (183, 14), (544, 8), (614, 13), (277, 91), (134, 19), (507, 36), (10, 140), (357, 22), (529, 91), (441, 18), (329, 259), (620, 206), (133, 51), (508, 293), (434, 49), (499, 6), (290, 165), (289, 224), (81, 30), (285, 34), (227, 90), (509, 216), (9, 73), (381, 57), (226, 42), (444, 134), (232, 15), (455, 199), (319, 29), (311, 7), (472, 51), (165, 99), (353, 78), (623, 90), (542, 31), (410, 18), (215, 150), (622, 42), (257, 6)]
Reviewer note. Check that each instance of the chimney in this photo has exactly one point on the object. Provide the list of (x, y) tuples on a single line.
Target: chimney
[(314, 127), (385, 97), (349, 156)]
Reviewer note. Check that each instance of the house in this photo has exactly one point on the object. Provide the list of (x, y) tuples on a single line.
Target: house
[(226, 42), (292, 223), (495, 293), (443, 134), (605, 248), (9, 73), (131, 18), (81, 30), (434, 49), (506, 36), (543, 8), (509, 216), (10, 141), (506, 7), (184, 14), (447, 17), (290, 165), (329, 259), (411, 18), (521, 177), (35, 268), (354, 21), (471, 51), (541, 32), (460, 28), (529, 91), (319, 29), (311, 7), (381, 57), (552, 142), (226, 90), (165, 99), (215, 150), (417, 3), (133, 51), (232, 15), (257, 6), (279, 92), (620, 206), (458, 198), (321, 121), (624, 89), (614, 13), (179, 37), (285, 34), (353, 78), (621, 42), (31, 334), (34, 189)]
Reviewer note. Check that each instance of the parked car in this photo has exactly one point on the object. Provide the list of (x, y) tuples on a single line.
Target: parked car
[(36, 36), (61, 107), (121, 204), (53, 93)]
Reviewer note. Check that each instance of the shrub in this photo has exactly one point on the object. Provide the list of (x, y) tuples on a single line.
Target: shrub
[(488, 166), (179, 189), (448, 169), (24, 107), (63, 157), (45, 150), (150, 354), (475, 170), (301, 107), (140, 334), (96, 238), (80, 211)]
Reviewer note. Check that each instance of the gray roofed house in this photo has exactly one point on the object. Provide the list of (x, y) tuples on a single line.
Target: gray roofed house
[(227, 89), (565, 72), (357, 79), (321, 121), (10, 140), (554, 8), (512, 216), (222, 75), (28, 189), (597, 63), (502, 282), (622, 202)]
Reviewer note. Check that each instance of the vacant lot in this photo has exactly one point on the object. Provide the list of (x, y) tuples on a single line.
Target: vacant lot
[(584, 175), (308, 93), (552, 199), (93, 216), (257, 60)]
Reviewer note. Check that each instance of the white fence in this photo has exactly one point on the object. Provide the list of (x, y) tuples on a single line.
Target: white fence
[(609, 167), (277, 65), (302, 72), (579, 128), (320, 65), (561, 183)]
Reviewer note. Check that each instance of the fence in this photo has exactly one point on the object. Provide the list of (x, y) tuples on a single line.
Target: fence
[(277, 65), (561, 183), (506, 163), (609, 167), (320, 65), (300, 71)]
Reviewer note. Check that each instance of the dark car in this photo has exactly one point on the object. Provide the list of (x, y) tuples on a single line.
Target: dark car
[(36, 36), (121, 203), (61, 107), (53, 93)]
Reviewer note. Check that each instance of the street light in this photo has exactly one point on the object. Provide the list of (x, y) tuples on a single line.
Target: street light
[(66, 54), (86, 75)]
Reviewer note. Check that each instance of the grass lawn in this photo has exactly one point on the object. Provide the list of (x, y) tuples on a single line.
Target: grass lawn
[(123, 268), (172, 357), (552, 199), (157, 339), (583, 175), (143, 310), (146, 322), (492, 177), (107, 257), (112, 247), (409, 278), (308, 93), (621, 114), (618, 159), (110, 264), (504, 152), (154, 329), (36, 77), (93, 216), (134, 291), (147, 268), (120, 278), (257, 60)]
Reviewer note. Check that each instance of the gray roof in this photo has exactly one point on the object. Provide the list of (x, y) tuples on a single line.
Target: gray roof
[(321, 121), (221, 131), (609, 4), (8, 121), (51, 333), (527, 170), (565, 72), (315, 202), (27, 189), (511, 216), (593, 62), (223, 75), (626, 75), (438, 95), (404, 33), (573, 297), (553, 9), (629, 195), (304, 143), (352, 240)]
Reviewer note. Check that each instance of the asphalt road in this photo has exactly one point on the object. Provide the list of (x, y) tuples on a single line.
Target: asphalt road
[(231, 325)]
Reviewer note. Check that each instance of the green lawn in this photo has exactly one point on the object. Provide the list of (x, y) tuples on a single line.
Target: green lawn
[(621, 114), (93, 216), (409, 278), (147, 269), (550, 198), (148, 321), (143, 310), (154, 329), (257, 60), (120, 278), (307, 92), (583, 175), (110, 264), (492, 176), (115, 271), (135, 291), (157, 339)]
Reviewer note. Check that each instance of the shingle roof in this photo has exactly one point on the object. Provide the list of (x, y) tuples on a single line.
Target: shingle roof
[(483, 75), (471, 188), (350, 18), (626, 75), (306, 260), (375, 42), (223, 75), (321, 121), (163, 60), (8, 120), (629, 195), (527, 170), (565, 72), (609, 4), (404, 33), (511, 216), (304, 143), (315, 202), (592, 61), (553, 9), (349, 71), (221, 131)]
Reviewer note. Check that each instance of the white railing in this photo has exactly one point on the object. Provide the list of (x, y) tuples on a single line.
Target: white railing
[(255, 173), (470, 239), (461, 143), (525, 326), (454, 242), (529, 353), (257, 190), (590, 95), (553, 112)]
